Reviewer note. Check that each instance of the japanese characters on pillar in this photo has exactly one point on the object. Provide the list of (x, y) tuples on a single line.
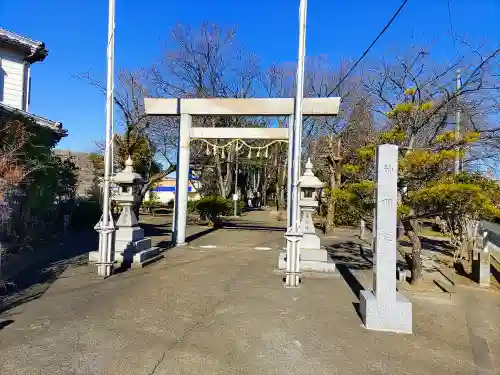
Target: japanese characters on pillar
[(385, 220), (385, 309)]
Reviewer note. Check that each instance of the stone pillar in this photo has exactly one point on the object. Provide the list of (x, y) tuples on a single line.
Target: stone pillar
[(481, 263), (182, 180), (385, 309)]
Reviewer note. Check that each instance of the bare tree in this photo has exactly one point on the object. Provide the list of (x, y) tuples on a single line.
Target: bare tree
[(331, 140), (278, 81), (418, 78), (142, 138), (207, 62), (12, 171)]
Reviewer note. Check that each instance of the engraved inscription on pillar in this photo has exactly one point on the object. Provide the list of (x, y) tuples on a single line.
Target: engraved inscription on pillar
[(384, 278)]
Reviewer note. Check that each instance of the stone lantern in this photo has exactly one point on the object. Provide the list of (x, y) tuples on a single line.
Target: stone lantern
[(129, 184), (312, 256), (131, 248)]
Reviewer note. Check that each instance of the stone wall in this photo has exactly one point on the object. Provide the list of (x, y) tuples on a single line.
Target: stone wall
[(85, 170)]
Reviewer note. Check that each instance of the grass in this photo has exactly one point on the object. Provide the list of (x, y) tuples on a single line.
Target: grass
[(432, 233), (427, 232)]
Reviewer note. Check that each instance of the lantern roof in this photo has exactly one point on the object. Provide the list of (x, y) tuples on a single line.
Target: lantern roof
[(309, 180), (128, 176)]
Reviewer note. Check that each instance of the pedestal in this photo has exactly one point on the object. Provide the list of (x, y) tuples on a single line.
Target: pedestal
[(313, 257), (393, 315), (384, 309), (309, 238), (481, 268), (131, 247), (310, 261)]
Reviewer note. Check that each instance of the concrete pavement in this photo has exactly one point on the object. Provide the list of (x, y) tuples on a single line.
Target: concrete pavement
[(204, 310)]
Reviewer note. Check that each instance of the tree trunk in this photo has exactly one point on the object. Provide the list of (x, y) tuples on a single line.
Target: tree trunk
[(137, 205), (265, 186), (220, 179), (228, 182), (278, 187), (415, 262), (330, 214), (330, 218), (284, 186)]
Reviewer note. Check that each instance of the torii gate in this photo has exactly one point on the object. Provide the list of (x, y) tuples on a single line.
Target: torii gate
[(186, 108)]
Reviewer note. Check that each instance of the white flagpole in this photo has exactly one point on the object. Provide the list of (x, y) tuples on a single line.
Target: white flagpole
[(106, 228), (294, 235)]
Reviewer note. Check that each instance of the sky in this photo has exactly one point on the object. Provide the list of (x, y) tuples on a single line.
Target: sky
[(75, 33)]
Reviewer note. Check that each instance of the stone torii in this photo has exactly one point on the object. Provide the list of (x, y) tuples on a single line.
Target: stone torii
[(186, 108)]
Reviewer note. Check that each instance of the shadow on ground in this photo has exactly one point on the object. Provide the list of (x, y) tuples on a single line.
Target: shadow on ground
[(354, 284), (348, 256), (5, 323), (355, 256), (155, 230), (242, 226), (495, 273), (431, 244), (36, 271), (168, 244)]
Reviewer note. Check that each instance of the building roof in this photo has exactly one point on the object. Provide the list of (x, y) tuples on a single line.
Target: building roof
[(42, 121), (32, 50)]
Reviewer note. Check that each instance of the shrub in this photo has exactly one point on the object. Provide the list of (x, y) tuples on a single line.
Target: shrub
[(212, 207), (86, 214), (230, 207), (149, 206), (170, 204), (345, 212), (191, 206)]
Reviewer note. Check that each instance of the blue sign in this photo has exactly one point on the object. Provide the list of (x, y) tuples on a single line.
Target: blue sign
[(171, 189)]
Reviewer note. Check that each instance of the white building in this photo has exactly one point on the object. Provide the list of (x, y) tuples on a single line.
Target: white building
[(165, 189), (17, 53)]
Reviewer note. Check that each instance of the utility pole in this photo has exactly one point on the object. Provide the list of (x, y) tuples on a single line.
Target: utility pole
[(458, 82), (235, 196), (106, 227), (293, 234)]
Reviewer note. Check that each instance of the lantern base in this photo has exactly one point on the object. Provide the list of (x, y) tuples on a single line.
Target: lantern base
[(310, 265), (129, 259)]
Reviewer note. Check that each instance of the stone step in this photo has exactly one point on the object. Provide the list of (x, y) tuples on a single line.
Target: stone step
[(317, 266), (320, 255), (120, 246), (94, 257), (309, 265), (147, 261), (143, 244), (139, 245), (146, 254)]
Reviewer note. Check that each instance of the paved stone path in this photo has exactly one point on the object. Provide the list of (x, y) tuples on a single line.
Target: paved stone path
[(222, 310)]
